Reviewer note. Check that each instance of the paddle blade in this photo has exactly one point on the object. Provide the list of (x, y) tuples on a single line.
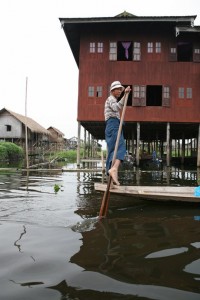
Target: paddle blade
[(105, 200)]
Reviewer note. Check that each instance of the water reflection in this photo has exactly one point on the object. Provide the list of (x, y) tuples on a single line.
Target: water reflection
[(92, 285), (124, 249), (194, 268), (167, 252), (165, 176), (28, 284), (21, 235), (144, 249)]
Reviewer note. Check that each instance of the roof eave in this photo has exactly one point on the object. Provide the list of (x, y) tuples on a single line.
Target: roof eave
[(179, 29), (189, 19)]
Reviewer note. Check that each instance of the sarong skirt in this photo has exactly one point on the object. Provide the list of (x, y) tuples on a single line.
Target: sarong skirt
[(111, 131)]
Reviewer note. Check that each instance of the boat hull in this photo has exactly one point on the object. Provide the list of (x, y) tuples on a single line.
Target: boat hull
[(164, 193)]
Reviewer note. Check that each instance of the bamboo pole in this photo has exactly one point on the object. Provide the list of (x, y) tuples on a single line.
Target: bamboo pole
[(26, 130)]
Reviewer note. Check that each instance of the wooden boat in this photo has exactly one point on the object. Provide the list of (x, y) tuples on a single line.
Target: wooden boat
[(164, 193)]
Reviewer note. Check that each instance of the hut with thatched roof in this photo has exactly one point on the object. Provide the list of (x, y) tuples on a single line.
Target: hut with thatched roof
[(56, 138), (13, 129)]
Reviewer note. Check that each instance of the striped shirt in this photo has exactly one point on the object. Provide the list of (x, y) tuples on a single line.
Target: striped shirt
[(112, 107)]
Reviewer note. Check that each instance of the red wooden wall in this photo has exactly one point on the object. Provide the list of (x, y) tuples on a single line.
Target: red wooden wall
[(95, 69)]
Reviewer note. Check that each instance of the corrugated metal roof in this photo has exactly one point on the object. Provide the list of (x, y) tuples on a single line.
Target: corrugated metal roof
[(30, 123)]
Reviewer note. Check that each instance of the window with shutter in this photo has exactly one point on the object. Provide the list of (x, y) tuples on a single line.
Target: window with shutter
[(91, 91), (196, 53), (166, 96), (92, 47), (113, 51), (172, 53), (136, 51), (139, 95)]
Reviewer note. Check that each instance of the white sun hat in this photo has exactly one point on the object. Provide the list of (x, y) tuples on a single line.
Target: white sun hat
[(116, 85)]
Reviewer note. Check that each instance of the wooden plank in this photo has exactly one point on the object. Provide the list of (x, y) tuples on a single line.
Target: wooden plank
[(165, 193), (95, 160)]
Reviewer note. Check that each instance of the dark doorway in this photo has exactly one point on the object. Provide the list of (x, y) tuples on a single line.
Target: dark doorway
[(154, 95)]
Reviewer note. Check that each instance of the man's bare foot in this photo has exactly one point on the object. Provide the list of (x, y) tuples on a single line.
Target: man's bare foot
[(113, 173), (113, 186)]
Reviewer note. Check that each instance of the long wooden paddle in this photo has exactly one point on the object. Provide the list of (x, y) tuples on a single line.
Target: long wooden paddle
[(106, 196)]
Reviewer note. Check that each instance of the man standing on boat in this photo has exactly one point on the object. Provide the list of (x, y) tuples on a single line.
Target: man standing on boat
[(112, 119)]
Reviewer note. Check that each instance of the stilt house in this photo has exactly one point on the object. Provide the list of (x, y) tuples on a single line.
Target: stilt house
[(159, 57), (56, 139), (13, 129)]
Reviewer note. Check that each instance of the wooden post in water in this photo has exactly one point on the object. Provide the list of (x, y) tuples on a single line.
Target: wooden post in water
[(138, 145), (26, 130), (84, 149), (88, 154), (168, 145), (132, 144), (78, 144), (183, 149), (198, 149), (102, 162)]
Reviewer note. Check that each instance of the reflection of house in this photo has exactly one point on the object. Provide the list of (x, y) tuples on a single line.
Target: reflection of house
[(13, 129), (122, 249)]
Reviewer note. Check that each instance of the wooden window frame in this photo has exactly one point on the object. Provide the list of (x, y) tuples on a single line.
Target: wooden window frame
[(173, 52), (99, 47), (99, 91), (158, 47), (166, 96), (150, 47), (188, 93), (136, 51), (90, 91), (181, 93), (139, 95), (8, 128), (113, 51), (92, 47), (196, 53)]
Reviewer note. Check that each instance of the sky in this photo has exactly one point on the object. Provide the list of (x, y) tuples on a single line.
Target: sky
[(33, 46)]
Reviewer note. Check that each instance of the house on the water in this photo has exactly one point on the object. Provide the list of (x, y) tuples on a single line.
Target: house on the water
[(56, 139), (13, 129), (159, 57)]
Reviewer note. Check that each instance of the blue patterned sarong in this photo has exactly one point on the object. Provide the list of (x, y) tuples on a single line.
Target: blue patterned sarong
[(111, 131)]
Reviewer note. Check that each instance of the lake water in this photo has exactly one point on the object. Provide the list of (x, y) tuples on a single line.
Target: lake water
[(53, 246)]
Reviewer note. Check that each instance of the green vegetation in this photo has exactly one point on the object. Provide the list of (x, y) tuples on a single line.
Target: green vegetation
[(10, 152), (69, 156), (56, 188)]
